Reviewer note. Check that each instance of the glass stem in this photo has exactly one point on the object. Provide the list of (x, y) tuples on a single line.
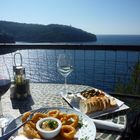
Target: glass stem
[(1, 112), (66, 85)]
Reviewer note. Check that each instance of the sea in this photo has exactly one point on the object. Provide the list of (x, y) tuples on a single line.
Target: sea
[(117, 40), (97, 68)]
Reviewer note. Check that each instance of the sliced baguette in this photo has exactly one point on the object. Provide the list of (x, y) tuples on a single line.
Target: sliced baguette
[(96, 103)]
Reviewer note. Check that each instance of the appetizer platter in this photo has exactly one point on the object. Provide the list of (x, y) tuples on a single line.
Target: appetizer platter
[(95, 102), (55, 123)]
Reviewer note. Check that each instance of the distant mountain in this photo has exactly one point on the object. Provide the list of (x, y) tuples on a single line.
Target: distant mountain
[(6, 38), (44, 33)]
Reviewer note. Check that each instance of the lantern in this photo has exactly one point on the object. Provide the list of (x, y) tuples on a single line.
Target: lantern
[(20, 83)]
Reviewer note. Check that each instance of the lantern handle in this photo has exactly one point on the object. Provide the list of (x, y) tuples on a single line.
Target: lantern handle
[(15, 58)]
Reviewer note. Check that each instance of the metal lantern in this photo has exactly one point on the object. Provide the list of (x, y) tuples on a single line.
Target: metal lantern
[(21, 84), (19, 71)]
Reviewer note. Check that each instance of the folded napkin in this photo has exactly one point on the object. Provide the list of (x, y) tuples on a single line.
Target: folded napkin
[(107, 125)]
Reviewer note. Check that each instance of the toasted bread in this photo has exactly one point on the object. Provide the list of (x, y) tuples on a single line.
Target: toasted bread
[(97, 103)]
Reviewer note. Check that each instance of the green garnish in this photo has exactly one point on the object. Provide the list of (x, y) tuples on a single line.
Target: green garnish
[(52, 124), (80, 124)]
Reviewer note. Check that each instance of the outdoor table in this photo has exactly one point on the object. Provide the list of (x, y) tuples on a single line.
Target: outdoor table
[(47, 95)]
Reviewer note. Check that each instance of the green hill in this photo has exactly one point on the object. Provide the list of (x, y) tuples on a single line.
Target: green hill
[(45, 33), (6, 38)]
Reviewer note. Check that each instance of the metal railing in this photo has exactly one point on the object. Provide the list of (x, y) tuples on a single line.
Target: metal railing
[(101, 66)]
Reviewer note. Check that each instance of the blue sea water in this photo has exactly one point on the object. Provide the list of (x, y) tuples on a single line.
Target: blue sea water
[(103, 40), (98, 68), (117, 40)]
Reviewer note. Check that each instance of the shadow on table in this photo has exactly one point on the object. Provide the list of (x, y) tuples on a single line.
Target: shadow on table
[(23, 105)]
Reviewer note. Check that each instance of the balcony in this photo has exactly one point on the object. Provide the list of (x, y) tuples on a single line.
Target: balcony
[(100, 66)]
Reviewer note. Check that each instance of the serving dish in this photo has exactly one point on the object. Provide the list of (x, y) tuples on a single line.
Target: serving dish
[(87, 131), (74, 100), (48, 133)]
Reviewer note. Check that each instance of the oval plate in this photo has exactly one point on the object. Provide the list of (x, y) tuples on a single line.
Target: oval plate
[(86, 132)]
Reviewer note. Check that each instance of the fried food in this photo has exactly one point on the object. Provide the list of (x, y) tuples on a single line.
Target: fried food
[(33, 125), (31, 132), (69, 123), (53, 113), (37, 116), (30, 127), (63, 118), (25, 116), (67, 131), (72, 119)]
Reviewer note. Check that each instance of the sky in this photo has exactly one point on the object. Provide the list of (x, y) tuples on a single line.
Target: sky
[(94, 16)]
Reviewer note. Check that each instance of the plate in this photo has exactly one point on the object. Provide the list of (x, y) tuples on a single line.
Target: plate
[(86, 132), (74, 101)]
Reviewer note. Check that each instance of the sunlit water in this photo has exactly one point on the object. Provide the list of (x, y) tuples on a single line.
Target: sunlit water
[(101, 69)]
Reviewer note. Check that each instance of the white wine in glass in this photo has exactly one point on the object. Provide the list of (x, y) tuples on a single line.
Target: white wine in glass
[(65, 67)]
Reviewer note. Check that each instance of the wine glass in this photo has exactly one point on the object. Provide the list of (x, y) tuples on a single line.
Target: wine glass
[(65, 67), (5, 83)]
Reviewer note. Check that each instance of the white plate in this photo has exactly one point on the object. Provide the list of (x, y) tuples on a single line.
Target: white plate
[(86, 132), (120, 105)]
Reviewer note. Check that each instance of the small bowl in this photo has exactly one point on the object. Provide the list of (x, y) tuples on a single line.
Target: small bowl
[(48, 134)]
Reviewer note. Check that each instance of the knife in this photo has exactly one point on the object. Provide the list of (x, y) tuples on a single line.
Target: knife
[(101, 124)]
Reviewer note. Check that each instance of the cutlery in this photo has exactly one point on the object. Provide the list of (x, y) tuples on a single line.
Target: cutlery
[(101, 124), (10, 133)]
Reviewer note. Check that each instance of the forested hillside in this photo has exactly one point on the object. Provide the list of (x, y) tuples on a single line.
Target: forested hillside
[(44, 33), (6, 38)]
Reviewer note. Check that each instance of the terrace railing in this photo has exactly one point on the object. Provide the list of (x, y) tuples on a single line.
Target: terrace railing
[(102, 66)]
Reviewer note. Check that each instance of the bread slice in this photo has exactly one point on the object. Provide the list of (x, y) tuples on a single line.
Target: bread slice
[(97, 103), (112, 102)]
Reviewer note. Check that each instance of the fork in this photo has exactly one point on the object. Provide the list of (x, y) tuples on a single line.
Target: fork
[(10, 133)]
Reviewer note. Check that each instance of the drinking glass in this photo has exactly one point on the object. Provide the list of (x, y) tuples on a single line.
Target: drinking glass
[(65, 67), (5, 83)]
